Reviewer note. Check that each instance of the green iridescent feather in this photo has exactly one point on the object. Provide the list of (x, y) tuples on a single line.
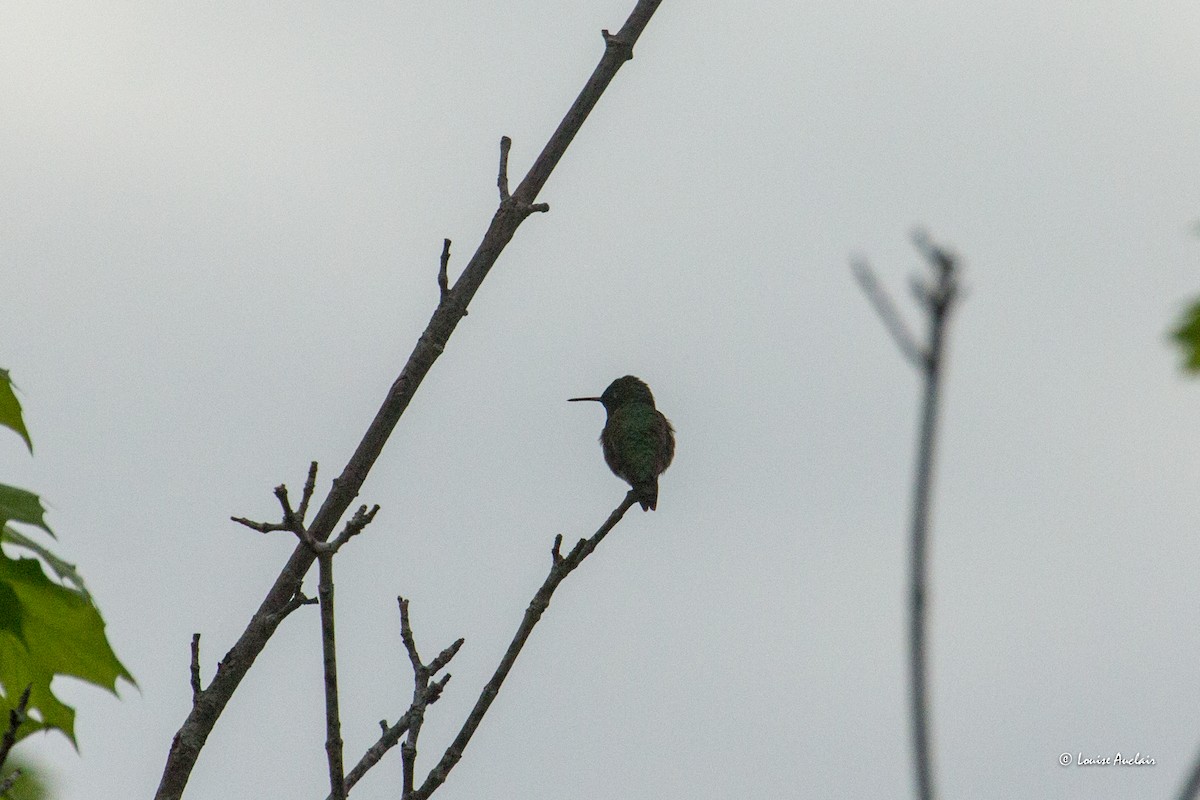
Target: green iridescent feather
[(638, 441)]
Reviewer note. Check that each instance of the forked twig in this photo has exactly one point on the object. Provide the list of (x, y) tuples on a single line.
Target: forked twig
[(888, 314), (937, 298), (561, 566)]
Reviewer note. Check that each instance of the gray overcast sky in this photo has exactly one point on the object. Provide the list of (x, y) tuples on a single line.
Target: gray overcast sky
[(220, 226)]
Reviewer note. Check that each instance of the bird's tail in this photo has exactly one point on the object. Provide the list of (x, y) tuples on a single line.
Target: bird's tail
[(647, 493)]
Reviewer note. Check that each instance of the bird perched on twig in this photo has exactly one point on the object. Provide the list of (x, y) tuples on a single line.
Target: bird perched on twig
[(638, 441)]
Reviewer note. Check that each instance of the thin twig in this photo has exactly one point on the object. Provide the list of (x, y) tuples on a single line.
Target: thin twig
[(361, 519), (1192, 787), (408, 750), (261, 527), (196, 687), (506, 199), (406, 637), (310, 485), (561, 567), (502, 179), (8, 782), (940, 296), (430, 692), (938, 256), (886, 310), (424, 693), (388, 739), (16, 718), (333, 723), (443, 658), (443, 278), (325, 591), (325, 551), (189, 740), (408, 759), (298, 599), (936, 298), (291, 520)]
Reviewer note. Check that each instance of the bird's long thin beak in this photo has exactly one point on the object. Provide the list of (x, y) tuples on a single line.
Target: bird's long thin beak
[(577, 399)]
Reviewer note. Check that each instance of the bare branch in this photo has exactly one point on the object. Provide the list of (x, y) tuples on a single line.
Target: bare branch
[(291, 521), (325, 551), (408, 761), (310, 485), (189, 740), (424, 693), (261, 527), (298, 599), (443, 279), (502, 180), (435, 689), (922, 291), (387, 740), (507, 200), (16, 718), (333, 723), (406, 636), (391, 736), (443, 658), (942, 259), (887, 314), (922, 490), (618, 44), (196, 687), (936, 298), (361, 519), (945, 289), (1191, 788), (8, 782), (559, 570)]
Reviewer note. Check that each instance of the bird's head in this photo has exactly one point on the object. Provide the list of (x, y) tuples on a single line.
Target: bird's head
[(622, 391)]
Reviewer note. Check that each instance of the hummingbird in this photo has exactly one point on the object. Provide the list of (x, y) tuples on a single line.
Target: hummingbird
[(638, 441)]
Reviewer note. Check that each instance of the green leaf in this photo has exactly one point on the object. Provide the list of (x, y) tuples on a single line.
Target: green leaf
[(1187, 335), (10, 613), (45, 711), (10, 409), (34, 781), (65, 571), (63, 634), (18, 505)]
